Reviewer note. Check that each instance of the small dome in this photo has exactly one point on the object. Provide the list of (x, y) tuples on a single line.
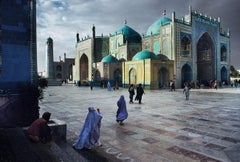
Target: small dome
[(155, 27), (109, 58), (129, 34), (162, 57), (145, 54)]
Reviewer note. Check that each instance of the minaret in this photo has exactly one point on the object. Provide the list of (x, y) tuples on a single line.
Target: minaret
[(49, 59)]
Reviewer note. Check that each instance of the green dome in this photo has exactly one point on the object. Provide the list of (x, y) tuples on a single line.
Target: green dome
[(129, 34), (109, 58), (145, 54), (155, 27)]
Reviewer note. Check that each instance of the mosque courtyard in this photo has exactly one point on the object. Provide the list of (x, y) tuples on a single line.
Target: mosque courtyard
[(165, 127)]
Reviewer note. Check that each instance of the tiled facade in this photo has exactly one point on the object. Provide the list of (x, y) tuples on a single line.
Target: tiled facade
[(195, 50)]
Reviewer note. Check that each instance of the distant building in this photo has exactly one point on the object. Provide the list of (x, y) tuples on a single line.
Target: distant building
[(57, 72), (193, 49), (18, 54)]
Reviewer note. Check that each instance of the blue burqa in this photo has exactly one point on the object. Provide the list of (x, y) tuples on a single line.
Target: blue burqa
[(122, 113), (90, 132)]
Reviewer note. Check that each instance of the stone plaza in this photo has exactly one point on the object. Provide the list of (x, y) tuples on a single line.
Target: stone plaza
[(165, 127)]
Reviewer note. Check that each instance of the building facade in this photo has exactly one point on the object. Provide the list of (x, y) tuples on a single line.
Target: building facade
[(18, 54), (57, 72), (193, 49)]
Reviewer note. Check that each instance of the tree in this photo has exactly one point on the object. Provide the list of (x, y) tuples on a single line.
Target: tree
[(233, 72)]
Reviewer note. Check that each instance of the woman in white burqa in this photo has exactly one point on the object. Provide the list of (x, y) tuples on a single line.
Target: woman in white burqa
[(90, 133)]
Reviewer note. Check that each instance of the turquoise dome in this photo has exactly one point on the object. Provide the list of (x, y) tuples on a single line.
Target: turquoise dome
[(155, 27), (109, 58), (129, 34), (145, 54)]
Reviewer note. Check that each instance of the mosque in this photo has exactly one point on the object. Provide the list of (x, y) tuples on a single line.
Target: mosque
[(193, 49)]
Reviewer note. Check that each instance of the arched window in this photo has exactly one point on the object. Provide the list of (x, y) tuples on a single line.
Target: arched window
[(223, 53), (59, 68), (165, 48), (185, 46), (59, 76)]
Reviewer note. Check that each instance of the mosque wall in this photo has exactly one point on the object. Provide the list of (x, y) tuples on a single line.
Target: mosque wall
[(102, 48), (178, 40), (182, 56), (83, 48), (114, 43)]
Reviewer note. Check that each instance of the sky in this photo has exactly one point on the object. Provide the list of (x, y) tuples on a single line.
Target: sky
[(63, 19)]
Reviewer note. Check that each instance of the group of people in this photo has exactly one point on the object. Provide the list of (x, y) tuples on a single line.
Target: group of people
[(89, 136), (138, 97)]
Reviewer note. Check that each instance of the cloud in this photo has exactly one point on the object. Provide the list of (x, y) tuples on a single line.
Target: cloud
[(61, 20)]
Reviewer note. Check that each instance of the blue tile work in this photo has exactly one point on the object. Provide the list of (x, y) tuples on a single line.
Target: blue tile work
[(18, 42)]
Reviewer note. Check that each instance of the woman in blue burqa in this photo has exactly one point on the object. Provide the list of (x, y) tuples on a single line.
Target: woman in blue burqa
[(90, 133), (122, 113)]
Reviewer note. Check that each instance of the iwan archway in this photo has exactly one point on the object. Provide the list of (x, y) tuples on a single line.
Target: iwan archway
[(205, 59), (224, 77), (132, 76), (83, 68), (163, 77), (186, 74)]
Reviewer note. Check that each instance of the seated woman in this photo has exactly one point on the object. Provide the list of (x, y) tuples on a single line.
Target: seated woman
[(39, 129), (90, 133)]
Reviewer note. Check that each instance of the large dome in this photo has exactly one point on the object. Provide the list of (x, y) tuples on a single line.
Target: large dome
[(109, 58), (155, 27), (145, 54), (129, 34)]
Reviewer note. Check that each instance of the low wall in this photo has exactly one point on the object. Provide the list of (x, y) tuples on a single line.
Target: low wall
[(59, 130)]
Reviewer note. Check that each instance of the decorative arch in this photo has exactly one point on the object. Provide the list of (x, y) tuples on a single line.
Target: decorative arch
[(185, 46), (205, 59), (223, 53), (118, 76), (97, 76), (133, 76), (58, 68), (59, 76), (165, 48), (163, 77), (70, 72), (224, 76), (83, 68), (186, 74)]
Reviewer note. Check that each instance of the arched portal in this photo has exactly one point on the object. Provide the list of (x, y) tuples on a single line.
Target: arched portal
[(84, 68), (186, 74), (97, 76), (224, 77), (118, 76), (205, 59), (70, 72), (163, 77), (132, 76), (223, 53)]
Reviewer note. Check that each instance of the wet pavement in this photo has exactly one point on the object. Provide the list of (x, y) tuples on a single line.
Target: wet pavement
[(165, 127)]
